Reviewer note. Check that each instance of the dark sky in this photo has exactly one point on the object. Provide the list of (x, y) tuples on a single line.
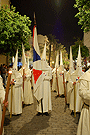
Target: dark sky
[(53, 17)]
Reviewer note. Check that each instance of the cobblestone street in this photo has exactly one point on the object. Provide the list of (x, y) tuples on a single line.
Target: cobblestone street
[(57, 123)]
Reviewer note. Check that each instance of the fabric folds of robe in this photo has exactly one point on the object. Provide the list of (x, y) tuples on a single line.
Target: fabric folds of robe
[(17, 94), (84, 121), (47, 106), (28, 96), (2, 97)]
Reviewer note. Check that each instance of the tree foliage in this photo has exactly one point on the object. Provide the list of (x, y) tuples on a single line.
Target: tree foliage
[(14, 30), (83, 7), (83, 48), (52, 42), (56, 47), (64, 55)]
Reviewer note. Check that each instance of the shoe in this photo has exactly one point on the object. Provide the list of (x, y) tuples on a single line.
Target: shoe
[(55, 91), (38, 114), (46, 113), (62, 96), (57, 96), (72, 113)]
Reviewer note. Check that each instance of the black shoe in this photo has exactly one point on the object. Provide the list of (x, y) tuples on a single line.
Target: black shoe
[(57, 96), (46, 113), (55, 91), (67, 105), (38, 114), (62, 96), (72, 113)]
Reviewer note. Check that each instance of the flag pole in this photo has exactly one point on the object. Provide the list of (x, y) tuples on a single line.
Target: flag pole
[(41, 99), (34, 19), (75, 100), (57, 83), (64, 92), (6, 98), (23, 85), (11, 101)]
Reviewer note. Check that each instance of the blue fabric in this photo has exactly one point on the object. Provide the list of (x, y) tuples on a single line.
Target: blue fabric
[(19, 64), (36, 57)]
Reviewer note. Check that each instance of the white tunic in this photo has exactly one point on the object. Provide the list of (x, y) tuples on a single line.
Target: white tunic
[(47, 106), (60, 74), (68, 87), (17, 94), (28, 97), (84, 92), (2, 96), (54, 84), (74, 78)]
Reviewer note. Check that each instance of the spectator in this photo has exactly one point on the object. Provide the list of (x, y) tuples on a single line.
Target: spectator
[(7, 69), (0, 69), (3, 75)]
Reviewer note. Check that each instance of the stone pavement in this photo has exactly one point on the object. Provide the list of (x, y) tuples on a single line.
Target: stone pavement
[(57, 123)]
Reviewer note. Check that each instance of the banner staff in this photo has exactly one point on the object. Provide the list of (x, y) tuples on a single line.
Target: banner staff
[(64, 92), (57, 65), (74, 99), (36, 57), (6, 98), (11, 101)]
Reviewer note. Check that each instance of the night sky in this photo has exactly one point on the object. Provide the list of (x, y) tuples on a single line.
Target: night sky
[(53, 17)]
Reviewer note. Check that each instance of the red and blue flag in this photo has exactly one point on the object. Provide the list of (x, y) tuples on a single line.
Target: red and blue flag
[(37, 71)]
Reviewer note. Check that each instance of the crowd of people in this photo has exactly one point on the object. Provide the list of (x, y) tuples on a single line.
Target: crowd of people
[(74, 84), (71, 84)]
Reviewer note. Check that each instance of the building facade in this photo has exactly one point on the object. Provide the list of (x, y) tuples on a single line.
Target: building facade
[(4, 2), (87, 40)]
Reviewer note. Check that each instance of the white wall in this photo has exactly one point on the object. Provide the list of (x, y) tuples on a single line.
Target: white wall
[(87, 40)]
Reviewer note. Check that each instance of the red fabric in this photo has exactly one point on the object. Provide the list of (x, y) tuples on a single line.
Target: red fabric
[(36, 74), (33, 36)]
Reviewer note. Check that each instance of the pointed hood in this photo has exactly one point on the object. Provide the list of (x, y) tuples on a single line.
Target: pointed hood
[(16, 60), (71, 68), (23, 57), (57, 60), (13, 59), (86, 76), (78, 72), (44, 64), (61, 68), (61, 61), (79, 58), (44, 53)]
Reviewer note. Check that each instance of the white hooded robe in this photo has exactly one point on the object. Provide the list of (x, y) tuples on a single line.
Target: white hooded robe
[(17, 94), (28, 96), (2, 97), (74, 78), (84, 92), (47, 106)]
